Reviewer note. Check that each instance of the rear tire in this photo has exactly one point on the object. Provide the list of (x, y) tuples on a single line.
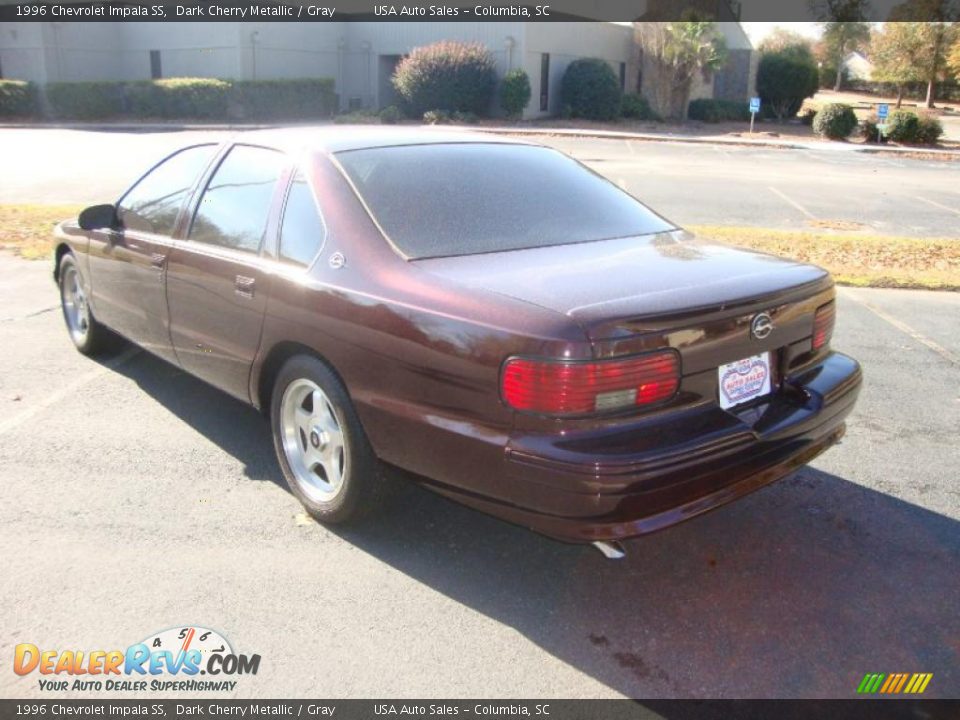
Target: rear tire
[(88, 335), (322, 449)]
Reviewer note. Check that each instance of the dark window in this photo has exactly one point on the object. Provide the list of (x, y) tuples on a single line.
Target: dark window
[(156, 71), (623, 76), (236, 203), (544, 81), (302, 232), (153, 204), (465, 198)]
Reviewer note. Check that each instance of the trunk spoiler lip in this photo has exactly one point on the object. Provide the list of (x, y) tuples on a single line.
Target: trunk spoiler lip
[(786, 295)]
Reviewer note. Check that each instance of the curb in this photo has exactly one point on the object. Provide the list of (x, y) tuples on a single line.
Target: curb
[(924, 153)]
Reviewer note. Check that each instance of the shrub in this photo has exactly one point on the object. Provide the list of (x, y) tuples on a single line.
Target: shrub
[(807, 116), (785, 79), (902, 126), (929, 129), (391, 115), (636, 107), (18, 98), (835, 121), (436, 117), (296, 99), (467, 118), (85, 100), (449, 75), (591, 89), (870, 130), (515, 93), (714, 111), (358, 117)]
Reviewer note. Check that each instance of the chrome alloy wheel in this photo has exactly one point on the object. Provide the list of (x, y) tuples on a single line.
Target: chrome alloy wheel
[(313, 440), (75, 307)]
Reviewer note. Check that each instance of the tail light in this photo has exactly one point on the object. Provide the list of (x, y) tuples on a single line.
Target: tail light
[(557, 387), (823, 324)]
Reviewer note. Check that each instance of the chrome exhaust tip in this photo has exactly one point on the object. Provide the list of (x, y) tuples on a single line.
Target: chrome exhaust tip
[(611, 549)]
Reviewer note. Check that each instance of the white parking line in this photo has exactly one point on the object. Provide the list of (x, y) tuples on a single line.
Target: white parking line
[(903, 327), (793, 203), (938, 205), (66, 390)]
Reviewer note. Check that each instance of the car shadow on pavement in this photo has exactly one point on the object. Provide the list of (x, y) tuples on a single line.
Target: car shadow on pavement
[(796, 590)]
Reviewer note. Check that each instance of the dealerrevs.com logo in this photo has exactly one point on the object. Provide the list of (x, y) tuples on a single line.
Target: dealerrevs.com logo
[(184, 659)]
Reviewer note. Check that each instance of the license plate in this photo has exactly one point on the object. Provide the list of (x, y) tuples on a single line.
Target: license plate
[(744, 380)]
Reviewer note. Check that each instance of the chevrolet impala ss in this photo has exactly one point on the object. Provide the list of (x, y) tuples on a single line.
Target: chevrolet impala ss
[(487, 314)]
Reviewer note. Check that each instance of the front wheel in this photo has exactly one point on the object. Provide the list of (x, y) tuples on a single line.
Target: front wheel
[(323, 451), (89, 336)]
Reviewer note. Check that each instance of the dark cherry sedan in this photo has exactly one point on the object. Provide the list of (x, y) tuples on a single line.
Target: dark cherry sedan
[(487, 314)]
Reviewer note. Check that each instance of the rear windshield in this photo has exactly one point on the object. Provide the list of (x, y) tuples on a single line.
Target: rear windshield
[(463, 199)]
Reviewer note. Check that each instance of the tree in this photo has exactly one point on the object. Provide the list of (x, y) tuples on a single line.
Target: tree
[(781, 39), (953, 59), (785, 78), (932, 39), (844, 29), (678, 51), (894, 52)]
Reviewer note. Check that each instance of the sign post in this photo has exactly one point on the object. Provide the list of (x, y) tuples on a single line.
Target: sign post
[(882, 111), (754, 109)]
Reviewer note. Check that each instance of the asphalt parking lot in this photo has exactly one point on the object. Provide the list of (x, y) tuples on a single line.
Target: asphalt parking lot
[(690, 184), (136, 498)]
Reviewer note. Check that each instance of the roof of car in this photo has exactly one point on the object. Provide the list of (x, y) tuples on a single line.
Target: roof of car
[(338, 138)]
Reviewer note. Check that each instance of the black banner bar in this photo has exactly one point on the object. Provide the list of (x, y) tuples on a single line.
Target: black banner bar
[(460, 11), (865, 709)]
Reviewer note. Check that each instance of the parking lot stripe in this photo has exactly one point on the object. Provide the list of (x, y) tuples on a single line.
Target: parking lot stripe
[(935, 204), (65, 391), (793, 203), (903, 327)]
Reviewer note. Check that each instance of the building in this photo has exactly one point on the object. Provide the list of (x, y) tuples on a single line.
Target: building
[(360, 56), (857, 67)]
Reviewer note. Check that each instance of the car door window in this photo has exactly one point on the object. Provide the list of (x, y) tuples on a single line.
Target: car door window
[(153, 204), (302, 232), (235, 205)]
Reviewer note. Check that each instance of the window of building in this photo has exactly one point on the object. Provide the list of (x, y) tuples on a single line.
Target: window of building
[(235, 206), (153, 204), (156, 71), (302, 231), (544, 81)]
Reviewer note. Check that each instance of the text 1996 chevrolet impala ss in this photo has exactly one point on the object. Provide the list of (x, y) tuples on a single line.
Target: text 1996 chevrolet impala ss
[(487, 314)]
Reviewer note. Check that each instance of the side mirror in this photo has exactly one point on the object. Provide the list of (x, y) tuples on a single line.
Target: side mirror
[(96, 217)]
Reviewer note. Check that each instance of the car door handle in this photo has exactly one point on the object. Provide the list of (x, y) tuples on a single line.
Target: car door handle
[(244, 285), (158, 260)]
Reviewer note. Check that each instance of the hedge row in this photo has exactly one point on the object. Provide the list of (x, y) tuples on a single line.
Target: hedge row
[(194, 98), (18, 98), (714, 111)]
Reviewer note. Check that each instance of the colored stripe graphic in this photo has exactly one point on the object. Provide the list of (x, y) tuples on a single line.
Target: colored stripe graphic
[(912, 683)]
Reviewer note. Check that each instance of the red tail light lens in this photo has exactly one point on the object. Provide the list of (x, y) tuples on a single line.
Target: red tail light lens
[(556, 387), (823, 324)]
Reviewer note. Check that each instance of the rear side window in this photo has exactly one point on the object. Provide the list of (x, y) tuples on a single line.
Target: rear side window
[(235, 205), (302, 232), (462, 199), (153, 204)]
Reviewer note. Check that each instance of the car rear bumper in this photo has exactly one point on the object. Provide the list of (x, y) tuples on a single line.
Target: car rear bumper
[(618, 483)]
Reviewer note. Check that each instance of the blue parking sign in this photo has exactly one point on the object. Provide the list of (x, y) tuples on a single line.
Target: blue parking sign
[(754, 104), (883, 111)]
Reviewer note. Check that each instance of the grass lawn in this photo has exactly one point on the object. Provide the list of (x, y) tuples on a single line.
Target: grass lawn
[(853, 258), (856, 259), (28, 229)]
